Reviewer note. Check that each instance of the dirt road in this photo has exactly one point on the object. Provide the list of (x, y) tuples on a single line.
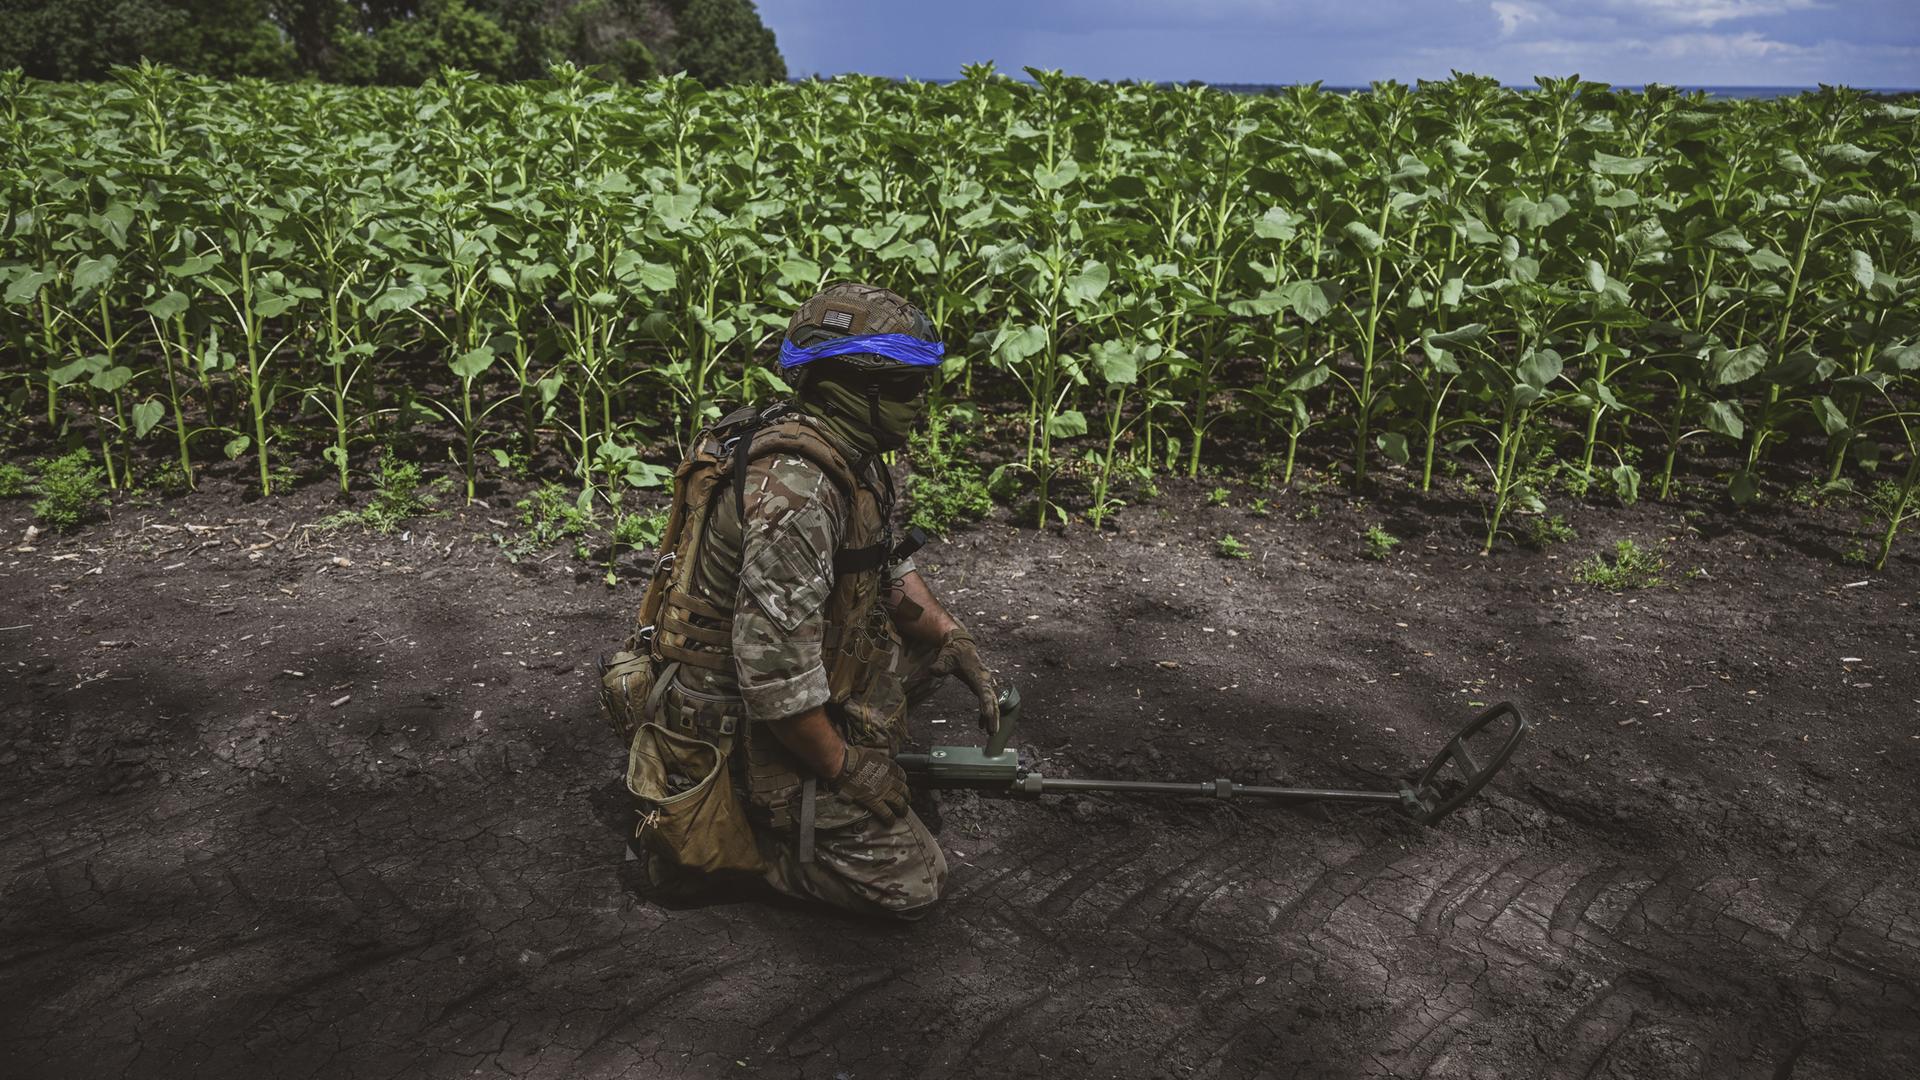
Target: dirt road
[(279, 804)]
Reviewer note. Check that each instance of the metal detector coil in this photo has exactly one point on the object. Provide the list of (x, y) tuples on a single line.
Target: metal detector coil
[(1437, 792)]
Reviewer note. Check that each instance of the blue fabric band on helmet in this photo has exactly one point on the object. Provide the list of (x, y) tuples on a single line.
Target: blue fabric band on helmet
[(905, 348)]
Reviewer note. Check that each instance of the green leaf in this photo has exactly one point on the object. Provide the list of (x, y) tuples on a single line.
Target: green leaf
[(1898, 358), (1360, 233), (397, 298), (1596, 276), (1609, 165), (1743, 486), (657, 277), (1767, 260), (111, 379), (1860, 268), (1730, 239), (1540, 367), (1085, 286), (1394, 445), (168, 306), (1723, 418), (1014, 345), (1730, 366), (22, 290), (1278, 223), (799, 270), (1626, 480), (469, 365), (90, 273), (1055, 179), (335, 456), (645, 474), (237, 446), (1832, 420), (1118, 362), (145, 415), (1066, 425)]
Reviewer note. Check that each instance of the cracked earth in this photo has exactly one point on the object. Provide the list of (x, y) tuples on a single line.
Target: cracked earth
[(279, 803)]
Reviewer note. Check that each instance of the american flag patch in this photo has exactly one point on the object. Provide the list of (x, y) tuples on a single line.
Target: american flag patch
[(837, 320)]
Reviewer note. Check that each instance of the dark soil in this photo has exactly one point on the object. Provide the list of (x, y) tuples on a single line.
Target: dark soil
[(289, 803)]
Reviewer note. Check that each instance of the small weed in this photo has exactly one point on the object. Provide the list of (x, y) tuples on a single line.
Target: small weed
[(1259, 508), (547, 516), (1541, 531), (1218, 496), (1633, 567), (14, 481), (945, 488), (70, 488), (1857, 553), (399, 495), (515, 465), (1309, 512), (1228, 547), (1380, 543)]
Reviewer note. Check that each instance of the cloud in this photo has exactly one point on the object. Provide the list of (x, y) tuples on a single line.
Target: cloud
[(1513, 15), (1706, 12)]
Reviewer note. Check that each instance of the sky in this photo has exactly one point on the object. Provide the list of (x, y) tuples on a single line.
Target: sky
[(1865, 43)]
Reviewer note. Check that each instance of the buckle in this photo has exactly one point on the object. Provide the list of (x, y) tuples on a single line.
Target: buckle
[(664, 563), (644, 638)]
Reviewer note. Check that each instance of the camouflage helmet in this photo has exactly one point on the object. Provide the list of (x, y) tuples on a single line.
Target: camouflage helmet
[(854, 309)]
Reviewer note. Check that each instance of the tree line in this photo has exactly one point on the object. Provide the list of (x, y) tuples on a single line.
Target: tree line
[(391, 42)]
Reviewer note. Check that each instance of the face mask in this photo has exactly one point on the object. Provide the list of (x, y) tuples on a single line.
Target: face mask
[(858, 420)]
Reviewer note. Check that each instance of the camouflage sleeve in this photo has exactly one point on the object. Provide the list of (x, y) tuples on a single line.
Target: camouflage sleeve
[(795, 521)]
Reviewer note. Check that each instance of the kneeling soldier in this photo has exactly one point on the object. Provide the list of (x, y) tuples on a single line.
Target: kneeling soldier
[(787, 633)]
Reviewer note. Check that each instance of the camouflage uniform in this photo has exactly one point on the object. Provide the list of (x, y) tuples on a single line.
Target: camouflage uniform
[(773, 579)]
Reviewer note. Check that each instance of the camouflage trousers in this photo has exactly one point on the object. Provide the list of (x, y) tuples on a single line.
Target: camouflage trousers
[(866, 867)]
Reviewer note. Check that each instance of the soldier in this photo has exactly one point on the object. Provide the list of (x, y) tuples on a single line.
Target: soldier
[(786, 627)]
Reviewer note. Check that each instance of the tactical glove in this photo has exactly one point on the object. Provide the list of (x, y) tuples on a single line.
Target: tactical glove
[(959, 656), (874, 780)]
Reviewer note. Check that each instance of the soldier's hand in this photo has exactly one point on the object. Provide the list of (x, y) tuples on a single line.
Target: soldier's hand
[(961, 657), (874, 780)]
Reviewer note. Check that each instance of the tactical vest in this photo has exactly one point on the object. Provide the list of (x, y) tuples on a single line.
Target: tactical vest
[(675, 625)]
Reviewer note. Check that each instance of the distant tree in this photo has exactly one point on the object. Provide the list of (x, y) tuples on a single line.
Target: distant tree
[(81, 39), (407, 50), (391, 41), (720, 41)]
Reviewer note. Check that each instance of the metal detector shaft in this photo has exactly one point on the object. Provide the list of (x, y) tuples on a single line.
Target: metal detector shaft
[(996, 768)]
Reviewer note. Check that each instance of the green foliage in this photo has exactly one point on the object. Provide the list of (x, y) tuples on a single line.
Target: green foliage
[(71, 488), (390, 41), (1218, 496), (720, 41), (400, 494), (945, 488), (1259, 508), (1633, 567), (1230, 548), (551, 514), (1379, 542), (1542, 531), (407, 51), (1508, 287), (14, 481)]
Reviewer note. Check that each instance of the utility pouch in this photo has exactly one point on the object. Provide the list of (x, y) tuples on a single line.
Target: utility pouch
[(689, 813), (626, 682)]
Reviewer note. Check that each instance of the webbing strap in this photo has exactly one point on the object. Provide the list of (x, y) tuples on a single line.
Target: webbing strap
[(694, 605), (859, 560), (700, 658), (705, 635)]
